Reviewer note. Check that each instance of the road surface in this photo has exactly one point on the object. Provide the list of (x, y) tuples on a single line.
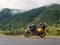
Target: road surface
[(11, 40)]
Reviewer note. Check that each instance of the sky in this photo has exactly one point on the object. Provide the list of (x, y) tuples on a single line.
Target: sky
[(25, 4)]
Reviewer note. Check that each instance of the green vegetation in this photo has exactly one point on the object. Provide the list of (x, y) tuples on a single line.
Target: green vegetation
[(16, 24), (53, 31)]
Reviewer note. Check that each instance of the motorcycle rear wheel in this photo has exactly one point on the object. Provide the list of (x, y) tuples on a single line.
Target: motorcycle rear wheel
[(27, 34)]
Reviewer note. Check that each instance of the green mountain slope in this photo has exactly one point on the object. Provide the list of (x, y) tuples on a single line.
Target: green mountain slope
[(20, 19), (49, 14), (5, 13)]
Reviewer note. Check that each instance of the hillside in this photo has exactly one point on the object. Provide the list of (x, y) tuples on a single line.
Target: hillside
[(49, 14), (19, 20)]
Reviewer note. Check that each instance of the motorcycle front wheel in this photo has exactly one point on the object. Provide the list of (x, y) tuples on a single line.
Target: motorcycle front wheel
[(42, 35)]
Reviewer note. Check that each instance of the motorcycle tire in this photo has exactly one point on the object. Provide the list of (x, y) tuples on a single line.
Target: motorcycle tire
[(42, 35), (27, 34)]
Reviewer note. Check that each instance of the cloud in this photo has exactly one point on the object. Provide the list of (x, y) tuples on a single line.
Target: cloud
[(25, 4), (46, 2), (19, 4)]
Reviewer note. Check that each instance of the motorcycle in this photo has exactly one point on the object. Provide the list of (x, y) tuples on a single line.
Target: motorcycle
[(38, 32)]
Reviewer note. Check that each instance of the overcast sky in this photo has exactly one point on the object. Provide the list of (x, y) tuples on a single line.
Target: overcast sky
[(25, 4)]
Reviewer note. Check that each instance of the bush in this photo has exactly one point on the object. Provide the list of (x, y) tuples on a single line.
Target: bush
[(53, 32), (14, 32)]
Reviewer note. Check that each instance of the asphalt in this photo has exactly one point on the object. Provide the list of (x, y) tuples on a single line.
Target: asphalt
[(12, 40)]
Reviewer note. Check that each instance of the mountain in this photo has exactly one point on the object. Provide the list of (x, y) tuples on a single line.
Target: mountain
[(49, 14), (20, 19)]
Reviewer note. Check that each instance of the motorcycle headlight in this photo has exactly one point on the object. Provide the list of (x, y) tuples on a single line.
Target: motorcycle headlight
[(39, 30)]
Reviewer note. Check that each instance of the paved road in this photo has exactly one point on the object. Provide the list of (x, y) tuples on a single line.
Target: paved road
[(7, 40)]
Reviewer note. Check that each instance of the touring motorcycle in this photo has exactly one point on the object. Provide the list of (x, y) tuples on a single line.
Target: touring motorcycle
[(38, 32)]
